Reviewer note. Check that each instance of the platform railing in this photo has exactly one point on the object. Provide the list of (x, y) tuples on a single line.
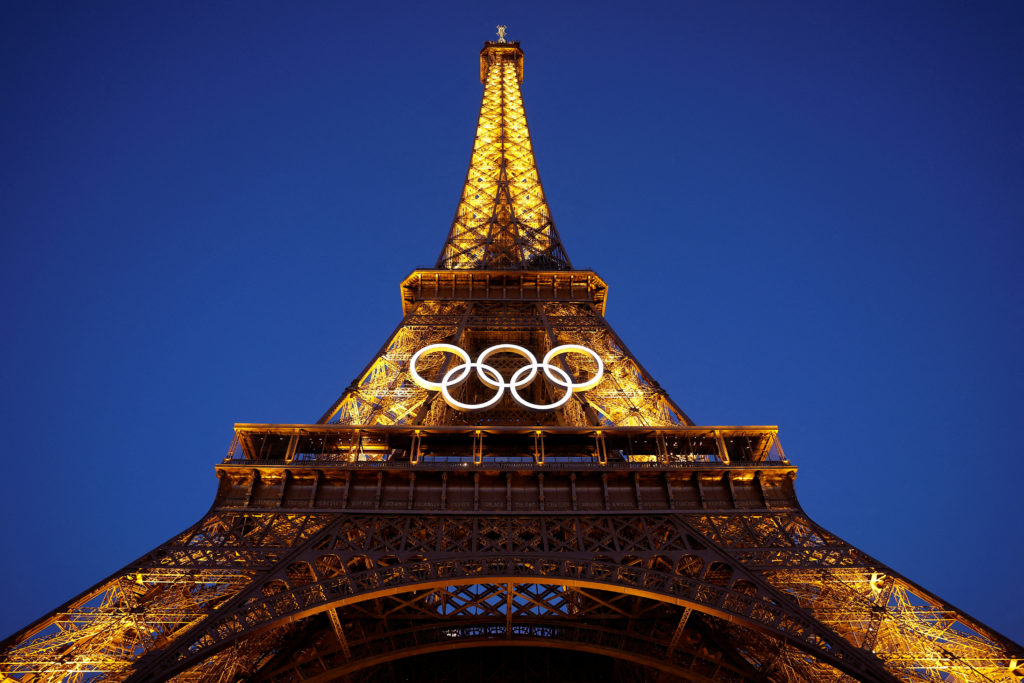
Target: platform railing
[(505, 447), (490, 465)]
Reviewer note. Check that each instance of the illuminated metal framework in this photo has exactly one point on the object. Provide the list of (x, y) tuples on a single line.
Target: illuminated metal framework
[(503, 220), (610, 537)]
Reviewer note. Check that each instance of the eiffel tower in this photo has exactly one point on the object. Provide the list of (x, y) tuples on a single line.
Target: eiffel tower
[(504, 493)]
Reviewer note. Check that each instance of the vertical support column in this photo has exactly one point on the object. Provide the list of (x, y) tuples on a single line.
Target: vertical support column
[(659, 440), (414, 455), (412, 490), (538, 447), (732, 489), (252, 484), (760, 487), (444, 490), (235, 443), (355, 445), (604, 490), (283, 486), (345, 491), (509, 603), (313, 489), (602, 450), (540, 489), (248, 450), (478, 447), (572, 489), (723, 452), (668, 491), (293, 443), (778, 447)]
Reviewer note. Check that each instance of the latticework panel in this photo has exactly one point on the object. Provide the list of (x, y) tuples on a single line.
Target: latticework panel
[(221, 599), (919, 637), (150, 604), (503, 567), (242, 660), (630, 629), (125, 618), (385, 394), (502, 220), (774, 659), (627, 396)]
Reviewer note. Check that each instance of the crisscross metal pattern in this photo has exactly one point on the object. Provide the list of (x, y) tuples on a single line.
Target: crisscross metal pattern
[(503, 220)]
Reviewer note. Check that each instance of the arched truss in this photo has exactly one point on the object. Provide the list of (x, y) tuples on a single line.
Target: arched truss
[(714, 588), (234, 574), (661, 638)]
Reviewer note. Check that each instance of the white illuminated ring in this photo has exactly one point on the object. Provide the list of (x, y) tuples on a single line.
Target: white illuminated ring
[(498, 384), (490, 377), (507, 348), (450, 348), (557, 404)]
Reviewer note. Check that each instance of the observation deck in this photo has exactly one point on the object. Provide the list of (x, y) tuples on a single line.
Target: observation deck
[(520, 469), (547, 286)]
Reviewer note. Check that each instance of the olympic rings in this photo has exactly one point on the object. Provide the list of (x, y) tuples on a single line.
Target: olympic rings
[(490, 377)]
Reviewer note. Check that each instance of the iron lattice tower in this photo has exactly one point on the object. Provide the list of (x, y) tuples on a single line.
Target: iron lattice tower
[(403, 536)]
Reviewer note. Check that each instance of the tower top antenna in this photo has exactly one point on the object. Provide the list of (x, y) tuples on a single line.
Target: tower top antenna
[(501, 33)]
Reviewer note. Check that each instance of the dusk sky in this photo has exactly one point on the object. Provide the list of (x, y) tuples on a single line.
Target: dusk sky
[(809, 214)]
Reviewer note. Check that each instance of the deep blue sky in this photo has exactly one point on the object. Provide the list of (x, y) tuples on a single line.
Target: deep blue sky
[(810, 215)]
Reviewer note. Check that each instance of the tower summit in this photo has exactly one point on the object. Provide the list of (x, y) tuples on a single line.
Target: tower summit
[(504, 489), (502, 220)]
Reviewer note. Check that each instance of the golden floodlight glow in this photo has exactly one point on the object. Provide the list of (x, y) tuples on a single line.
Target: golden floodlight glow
[(404, 524), (502, 219)]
